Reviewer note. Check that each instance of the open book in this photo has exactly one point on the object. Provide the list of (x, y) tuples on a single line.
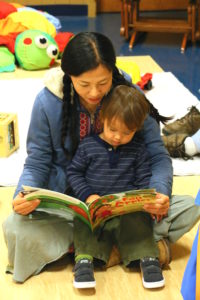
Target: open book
[(98, 211)]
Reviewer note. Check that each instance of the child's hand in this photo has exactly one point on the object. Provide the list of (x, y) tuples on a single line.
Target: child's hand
[(91, 198)]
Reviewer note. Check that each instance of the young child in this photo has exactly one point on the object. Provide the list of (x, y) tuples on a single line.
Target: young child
[(114, 161)]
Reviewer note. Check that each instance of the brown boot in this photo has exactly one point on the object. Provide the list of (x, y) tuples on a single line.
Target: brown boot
[(189, 124), (115, 258), (175, 145), (164, 252)]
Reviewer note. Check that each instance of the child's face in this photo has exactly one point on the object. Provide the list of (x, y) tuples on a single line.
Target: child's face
[(116, 133)]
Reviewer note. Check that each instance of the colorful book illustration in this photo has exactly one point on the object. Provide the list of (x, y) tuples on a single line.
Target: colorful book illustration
[(98, 211)]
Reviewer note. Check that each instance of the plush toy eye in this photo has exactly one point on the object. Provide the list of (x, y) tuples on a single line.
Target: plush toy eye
[(52, 51), (41, 41)]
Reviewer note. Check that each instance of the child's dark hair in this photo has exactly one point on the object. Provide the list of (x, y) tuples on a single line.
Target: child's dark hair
[(127, 104), (84, 52)]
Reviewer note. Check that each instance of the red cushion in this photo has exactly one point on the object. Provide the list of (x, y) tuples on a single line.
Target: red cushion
[(9, 41), (6, 9), (62, 38)]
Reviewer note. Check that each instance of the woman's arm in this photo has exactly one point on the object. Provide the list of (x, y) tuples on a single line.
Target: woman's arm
[(160, 161), (143, 173), (161, 167), (39, 149)]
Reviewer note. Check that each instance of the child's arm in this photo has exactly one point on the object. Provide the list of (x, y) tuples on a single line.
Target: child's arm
[(76, 174), (142, 169)]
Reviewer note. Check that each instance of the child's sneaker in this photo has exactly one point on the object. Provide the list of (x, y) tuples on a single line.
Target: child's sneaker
[(151, 273), (84, 274)]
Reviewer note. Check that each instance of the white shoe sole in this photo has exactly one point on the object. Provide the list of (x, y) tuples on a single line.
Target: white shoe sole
[(84, 285), (153, 285)]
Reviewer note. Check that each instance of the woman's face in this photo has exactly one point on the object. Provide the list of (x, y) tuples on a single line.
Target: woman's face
[(92, 85)]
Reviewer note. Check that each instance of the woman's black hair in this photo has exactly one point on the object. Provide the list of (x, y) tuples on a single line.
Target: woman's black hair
[(85, 52)]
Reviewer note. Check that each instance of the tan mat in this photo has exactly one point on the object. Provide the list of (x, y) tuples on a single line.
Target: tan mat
[(145, 63), (55, 283)]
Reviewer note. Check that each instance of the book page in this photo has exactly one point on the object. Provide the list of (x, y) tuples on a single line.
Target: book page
[(100, 210), (109, 206), (57, 203)]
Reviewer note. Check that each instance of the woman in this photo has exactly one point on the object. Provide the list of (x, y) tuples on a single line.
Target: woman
[(64, 113)]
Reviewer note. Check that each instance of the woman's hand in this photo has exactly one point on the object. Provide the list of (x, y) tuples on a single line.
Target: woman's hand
[(23, 206), (160, 208), (91, 198)]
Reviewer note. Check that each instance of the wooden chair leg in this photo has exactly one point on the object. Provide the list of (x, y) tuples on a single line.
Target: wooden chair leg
[(122, 28), (122, 31), (184, 42), (132, 40), (197, 34), (126, 20), (193, 23)]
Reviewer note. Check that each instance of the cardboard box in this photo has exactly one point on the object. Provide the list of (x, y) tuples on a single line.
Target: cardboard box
[(9, 135)]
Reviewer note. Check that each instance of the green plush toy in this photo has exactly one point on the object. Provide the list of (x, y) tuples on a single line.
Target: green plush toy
[(35, 50), (7, 60)]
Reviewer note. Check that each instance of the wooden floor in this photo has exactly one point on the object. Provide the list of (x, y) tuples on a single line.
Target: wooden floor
[(55, 282)]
